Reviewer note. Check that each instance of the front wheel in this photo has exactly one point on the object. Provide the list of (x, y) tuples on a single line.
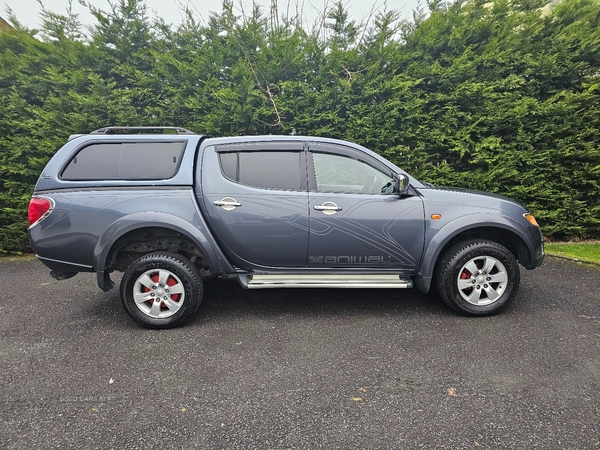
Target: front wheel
[(477, 277), (161, 290)]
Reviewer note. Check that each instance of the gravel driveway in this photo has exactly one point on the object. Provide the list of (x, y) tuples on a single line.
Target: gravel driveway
[(300, 369)]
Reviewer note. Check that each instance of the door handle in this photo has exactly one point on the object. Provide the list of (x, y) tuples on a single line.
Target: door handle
[(228, 203), (328, 208)]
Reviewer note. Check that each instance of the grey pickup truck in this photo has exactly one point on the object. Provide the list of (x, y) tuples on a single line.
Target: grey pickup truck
[(169, 208)]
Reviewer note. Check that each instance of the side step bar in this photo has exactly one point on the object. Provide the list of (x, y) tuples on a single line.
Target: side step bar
[(262, 281)]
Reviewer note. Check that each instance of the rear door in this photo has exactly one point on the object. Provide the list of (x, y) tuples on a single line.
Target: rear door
[(256, 198), (356, 218)]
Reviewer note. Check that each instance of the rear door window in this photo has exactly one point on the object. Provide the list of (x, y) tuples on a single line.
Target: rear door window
[(265, 169)]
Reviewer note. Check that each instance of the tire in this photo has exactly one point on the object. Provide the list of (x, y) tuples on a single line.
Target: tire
[(166, 276), (477, 277)]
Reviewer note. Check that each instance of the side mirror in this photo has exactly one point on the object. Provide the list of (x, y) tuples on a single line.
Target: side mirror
[(402, 184)]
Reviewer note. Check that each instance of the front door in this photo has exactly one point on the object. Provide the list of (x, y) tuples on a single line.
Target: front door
[(356, 218)]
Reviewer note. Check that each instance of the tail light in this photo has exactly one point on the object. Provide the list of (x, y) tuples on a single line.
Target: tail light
[(39, 209)]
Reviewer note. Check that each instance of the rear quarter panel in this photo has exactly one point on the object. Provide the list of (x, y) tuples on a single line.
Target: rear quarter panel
[(81, 217)]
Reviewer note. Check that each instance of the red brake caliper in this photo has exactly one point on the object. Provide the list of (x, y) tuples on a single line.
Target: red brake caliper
[(171, 282), (464, 276)]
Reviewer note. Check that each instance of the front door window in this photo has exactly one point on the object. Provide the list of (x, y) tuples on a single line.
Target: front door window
[(335, 173)]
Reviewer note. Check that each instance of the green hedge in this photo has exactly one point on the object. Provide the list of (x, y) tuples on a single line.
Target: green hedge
[(502, 96)]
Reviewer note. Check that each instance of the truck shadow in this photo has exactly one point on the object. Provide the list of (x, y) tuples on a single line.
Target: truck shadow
[(225, 299)]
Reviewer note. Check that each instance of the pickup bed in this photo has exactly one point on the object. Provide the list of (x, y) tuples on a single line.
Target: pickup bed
[(170, 208)]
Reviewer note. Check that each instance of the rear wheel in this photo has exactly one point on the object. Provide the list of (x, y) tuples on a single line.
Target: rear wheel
[(161, 290), (477, 277)]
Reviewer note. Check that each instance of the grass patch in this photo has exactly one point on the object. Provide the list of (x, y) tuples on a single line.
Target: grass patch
[(585, 251), (10, 257)]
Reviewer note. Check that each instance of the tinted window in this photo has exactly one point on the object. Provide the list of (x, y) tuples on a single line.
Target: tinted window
[(229, 165), (126, 161), (336, 173), (268, 169)]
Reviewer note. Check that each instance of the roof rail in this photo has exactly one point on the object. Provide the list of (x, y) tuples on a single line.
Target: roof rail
[(141, 130)]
